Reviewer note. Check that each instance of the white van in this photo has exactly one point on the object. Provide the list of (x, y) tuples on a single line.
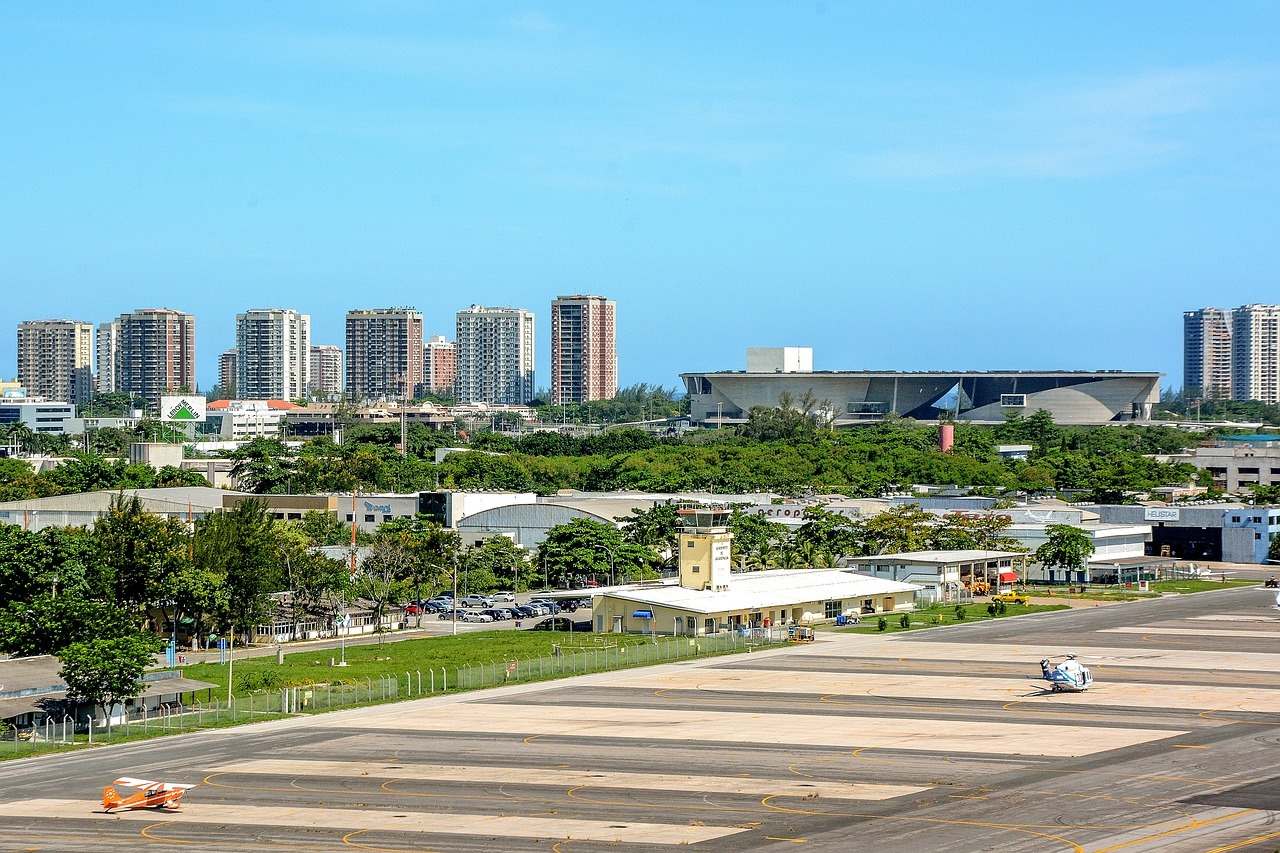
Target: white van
[(477, 601)]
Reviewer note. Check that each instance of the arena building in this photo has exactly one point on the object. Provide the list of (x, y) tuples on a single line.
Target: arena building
[(867, 396)]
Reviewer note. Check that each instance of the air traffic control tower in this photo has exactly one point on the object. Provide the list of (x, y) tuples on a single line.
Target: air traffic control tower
[(705, 547)]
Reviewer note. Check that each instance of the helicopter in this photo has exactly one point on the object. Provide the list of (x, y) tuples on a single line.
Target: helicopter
[(1070, 676)]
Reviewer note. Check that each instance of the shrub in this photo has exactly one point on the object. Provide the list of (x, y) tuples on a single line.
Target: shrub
[(904, 622), (262, 679), (992, 610), (882, 624), (960, 614)]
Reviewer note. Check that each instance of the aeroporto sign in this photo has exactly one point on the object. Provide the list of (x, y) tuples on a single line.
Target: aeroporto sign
[(795, 512)]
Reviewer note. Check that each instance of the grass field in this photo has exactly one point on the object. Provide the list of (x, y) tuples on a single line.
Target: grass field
[(397, 657), (1112, 592), (932, 617)]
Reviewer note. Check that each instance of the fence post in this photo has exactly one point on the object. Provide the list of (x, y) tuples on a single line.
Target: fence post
[(91, 728), (433, 682), (408, 685)]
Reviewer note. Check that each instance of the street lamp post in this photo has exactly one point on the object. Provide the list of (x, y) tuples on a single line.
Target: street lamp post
[(608, 552), (455, 593)]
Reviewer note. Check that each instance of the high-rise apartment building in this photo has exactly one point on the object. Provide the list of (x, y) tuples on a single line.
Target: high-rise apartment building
[(105, 357), (1255, 353), (1206, 353), (495, 355), (155, 353), (440, 364), (273, 354), (584, 349), (55, 360), (384, 354), (227, 363), (326, 371)]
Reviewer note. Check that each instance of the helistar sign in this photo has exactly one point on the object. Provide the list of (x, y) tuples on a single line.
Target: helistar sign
[(184, 409)]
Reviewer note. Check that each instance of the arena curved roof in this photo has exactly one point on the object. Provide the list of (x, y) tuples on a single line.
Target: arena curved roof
[(867, 396)]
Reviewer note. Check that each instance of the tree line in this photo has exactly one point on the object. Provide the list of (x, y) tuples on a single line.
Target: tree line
[(779, 450)]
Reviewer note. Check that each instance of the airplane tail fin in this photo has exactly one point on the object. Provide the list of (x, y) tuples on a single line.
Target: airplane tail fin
[(110, 799)]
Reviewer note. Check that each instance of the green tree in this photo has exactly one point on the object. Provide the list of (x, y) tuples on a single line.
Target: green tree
[(47, 624), (104, 672), (241, 547), (755, 536), (656, 528), (323, 528), (497, 563), (829, 533), (583, 547), (961, 531), (139, 549), (432, 550), (898, 530), (1067, 548)]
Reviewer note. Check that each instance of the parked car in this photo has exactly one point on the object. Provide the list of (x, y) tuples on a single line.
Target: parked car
[(552, 606), (503, 597), (562, 623), (475, 616), (524, 611), (477, 601), (413, 609), (495, 614), (1012, 597)]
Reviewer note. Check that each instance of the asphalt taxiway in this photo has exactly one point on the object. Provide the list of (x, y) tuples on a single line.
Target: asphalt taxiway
[(933, 740)]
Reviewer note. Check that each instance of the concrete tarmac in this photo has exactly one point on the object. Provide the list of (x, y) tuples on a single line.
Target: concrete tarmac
[(928, 741)]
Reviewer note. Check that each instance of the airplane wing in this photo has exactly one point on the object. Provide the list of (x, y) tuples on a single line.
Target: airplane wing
[(132, 782), (176, 786)]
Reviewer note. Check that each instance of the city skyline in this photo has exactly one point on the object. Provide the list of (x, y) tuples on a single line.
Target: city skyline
[(900, 187)]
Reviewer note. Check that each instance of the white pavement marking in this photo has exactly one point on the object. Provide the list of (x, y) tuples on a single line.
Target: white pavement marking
[(1193, 632), (1233, 617), (451, 823), (485, 774), (961, 687), (932, 652), (842, 732)]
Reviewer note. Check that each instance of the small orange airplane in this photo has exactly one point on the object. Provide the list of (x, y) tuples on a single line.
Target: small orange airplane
[(151, 795)]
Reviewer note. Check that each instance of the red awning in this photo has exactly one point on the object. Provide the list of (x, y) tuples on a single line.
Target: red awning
[(1008, 577)]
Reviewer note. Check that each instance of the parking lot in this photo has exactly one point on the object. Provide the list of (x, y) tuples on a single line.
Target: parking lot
[(933, 740)]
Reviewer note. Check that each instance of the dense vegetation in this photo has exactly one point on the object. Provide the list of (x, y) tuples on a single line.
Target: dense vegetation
[(779, 450), (1187, 404)]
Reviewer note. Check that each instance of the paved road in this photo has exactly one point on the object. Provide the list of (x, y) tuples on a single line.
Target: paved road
[(929, 741)]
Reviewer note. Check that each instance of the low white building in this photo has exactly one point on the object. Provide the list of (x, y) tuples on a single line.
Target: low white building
[(709, 597), (239, 420), (751, 600), (37, 415), (942, 575)]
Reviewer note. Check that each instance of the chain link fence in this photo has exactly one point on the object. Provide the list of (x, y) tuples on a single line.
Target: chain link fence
[(599, 654)]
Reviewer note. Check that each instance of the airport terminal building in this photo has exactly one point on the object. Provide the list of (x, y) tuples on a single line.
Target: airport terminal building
[(866, 396)]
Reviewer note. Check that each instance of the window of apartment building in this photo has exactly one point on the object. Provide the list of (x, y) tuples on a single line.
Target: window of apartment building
[(368, 517), (834, 609), (350, 517)]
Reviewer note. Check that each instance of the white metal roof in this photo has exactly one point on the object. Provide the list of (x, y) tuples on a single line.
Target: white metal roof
[(761, 590), (935, 557)]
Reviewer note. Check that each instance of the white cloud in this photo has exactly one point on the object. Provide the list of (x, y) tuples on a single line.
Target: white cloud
[(1094, 128)]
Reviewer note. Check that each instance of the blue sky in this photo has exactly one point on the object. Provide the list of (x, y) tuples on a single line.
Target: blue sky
[(899, 185)]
